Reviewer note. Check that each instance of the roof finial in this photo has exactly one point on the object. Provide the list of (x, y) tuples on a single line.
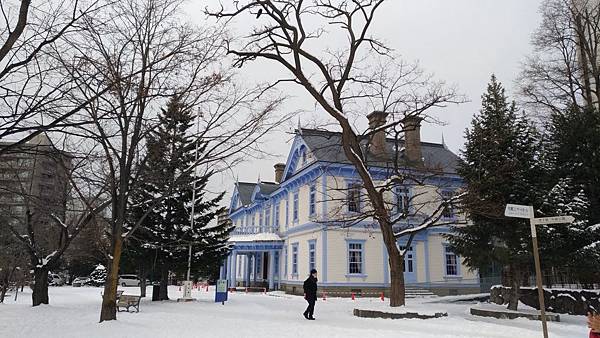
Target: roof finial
[(258, 177), (443, 141), (299, 126)]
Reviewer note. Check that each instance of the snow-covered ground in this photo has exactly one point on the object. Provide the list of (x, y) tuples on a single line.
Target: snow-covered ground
[(74, 312)]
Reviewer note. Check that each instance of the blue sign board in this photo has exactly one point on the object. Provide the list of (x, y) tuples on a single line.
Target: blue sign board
[(221, 291)]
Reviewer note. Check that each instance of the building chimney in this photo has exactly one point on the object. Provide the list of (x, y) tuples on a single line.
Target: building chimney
[(377, 119), (279, 168), (412, 140)]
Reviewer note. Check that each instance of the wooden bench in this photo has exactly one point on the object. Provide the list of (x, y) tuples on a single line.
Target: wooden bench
[(128, 301), (119, 293)]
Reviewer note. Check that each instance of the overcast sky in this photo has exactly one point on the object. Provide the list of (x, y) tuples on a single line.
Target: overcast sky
[(461, 41)]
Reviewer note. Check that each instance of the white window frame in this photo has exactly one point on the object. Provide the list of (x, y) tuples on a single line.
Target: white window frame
[(276, 216), (448, 212), (312, 199), (267, 216), (295, 253), (312, 254), (350, 248), (456, 264), (296, 207), (402, 199), (353, 187)]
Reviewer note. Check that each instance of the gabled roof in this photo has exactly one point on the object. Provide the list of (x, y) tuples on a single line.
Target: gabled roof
[(326, 146), (246, 190), (266, 188)]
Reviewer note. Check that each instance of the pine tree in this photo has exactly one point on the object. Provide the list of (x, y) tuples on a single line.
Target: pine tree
[(166, 232), (572, 156), (569, 245), (573, 147), (499, 165)]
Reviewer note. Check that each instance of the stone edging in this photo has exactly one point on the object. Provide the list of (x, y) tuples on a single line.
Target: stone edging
[(513, 315), (391, 315)]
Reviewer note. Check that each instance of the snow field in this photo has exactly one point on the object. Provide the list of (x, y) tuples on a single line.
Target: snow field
[(74, 312)]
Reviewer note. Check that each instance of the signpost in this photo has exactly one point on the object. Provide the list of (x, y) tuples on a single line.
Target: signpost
[(221, 291), (526, 211), (553, 220)]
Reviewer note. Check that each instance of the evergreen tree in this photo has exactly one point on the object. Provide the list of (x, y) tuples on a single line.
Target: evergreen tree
[(499, 166), (98, 276), (572, 151), (166, 232), (570, 246)]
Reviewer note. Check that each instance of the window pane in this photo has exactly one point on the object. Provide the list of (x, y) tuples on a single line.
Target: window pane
[(451, 262), (448, 211), (312, 200), (294, 259), (354, 198), (355, 258)]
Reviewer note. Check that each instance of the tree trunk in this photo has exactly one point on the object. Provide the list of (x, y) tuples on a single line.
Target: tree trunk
[(352, 148), (142, 276), (3, 289), (40, 286), (396, 261), (515, 286), (164, 283), (109, 306), (397, 287)]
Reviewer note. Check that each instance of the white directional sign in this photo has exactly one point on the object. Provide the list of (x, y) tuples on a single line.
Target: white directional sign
[(553, 220), (519, 211), (526, 211)]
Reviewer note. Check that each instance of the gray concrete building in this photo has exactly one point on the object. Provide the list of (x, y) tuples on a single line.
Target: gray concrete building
[(33, 182)]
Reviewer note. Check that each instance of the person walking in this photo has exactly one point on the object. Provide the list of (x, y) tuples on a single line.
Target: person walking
[(310, 294)]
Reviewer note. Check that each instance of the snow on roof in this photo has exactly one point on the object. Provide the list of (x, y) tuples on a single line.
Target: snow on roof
[(262, 237)]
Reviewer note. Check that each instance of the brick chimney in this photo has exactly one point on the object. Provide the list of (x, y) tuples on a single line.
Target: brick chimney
[(279, 168), (377, 119), (412, 140)]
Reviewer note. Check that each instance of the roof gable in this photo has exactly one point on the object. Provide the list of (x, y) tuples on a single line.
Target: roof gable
[(300, 156)]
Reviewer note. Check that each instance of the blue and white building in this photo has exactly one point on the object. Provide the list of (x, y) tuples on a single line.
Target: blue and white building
[(299, 222)]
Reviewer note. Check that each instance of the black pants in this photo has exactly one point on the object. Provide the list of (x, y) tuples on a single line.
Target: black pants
[(310, 310)]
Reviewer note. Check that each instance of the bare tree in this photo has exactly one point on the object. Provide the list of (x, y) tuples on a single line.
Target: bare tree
[(146, 54), (40, 177), (564, 70), (32, 91), (341, 81), (13, 261)]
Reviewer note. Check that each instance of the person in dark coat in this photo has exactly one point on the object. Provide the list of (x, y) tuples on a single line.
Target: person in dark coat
[(310, 294)]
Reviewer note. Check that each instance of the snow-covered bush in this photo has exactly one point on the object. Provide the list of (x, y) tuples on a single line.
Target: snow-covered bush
[(98, 276)]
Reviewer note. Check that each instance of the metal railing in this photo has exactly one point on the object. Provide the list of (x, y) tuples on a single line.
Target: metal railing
[(251, 230)]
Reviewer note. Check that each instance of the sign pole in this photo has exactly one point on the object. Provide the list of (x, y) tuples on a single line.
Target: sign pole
[(526, 211), (538, 277)]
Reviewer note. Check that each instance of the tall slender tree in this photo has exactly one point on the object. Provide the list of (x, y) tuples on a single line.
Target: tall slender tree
[(167, 230), (499, 166)]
